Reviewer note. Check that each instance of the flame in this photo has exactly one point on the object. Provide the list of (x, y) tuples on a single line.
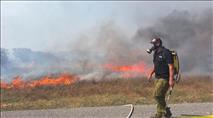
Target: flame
[(3, 85), (18, 82), (62, 79), (129, 70)]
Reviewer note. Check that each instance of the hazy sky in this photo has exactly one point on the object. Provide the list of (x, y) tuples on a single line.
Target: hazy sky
[(42, 25)]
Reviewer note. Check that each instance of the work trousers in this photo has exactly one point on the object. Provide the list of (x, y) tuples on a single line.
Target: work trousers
[(161, 88)]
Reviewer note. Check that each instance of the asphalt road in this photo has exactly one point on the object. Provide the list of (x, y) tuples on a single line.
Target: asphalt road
[(141, 111)]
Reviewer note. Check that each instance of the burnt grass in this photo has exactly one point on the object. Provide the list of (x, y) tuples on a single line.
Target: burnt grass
[(104, 93)]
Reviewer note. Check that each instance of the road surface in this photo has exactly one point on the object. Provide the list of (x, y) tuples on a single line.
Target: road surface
[(141, 111)]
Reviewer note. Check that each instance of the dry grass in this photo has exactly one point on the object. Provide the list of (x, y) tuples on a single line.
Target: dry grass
[(104, 93)]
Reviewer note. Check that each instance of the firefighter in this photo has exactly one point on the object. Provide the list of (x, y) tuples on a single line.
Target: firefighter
[(164, 76)]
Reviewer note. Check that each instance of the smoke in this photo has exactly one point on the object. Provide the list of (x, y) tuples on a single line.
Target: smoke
[(106, 44), (26, 63), (111, 43), (7, 64), (4, 57), (190, 35), (115, 44)]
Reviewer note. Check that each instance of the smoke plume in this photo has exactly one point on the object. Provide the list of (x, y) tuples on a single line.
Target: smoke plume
[(189, 34)]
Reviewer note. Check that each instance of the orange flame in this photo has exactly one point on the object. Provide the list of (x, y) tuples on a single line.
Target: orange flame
[(62, 79), (3, 85), (129, 70), (18, 82)]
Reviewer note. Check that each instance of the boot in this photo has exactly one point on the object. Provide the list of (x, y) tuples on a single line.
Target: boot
[(168, 112)]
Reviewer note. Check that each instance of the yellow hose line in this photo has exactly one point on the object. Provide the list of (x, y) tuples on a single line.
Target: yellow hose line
[(209, 116)]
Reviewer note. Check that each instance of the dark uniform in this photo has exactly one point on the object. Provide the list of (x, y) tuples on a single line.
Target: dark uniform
[(162, 57)]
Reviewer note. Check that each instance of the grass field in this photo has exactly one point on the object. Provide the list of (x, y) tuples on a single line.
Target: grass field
[(104, 93)]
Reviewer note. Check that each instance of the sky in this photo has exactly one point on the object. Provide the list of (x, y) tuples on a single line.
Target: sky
[(40, 25)]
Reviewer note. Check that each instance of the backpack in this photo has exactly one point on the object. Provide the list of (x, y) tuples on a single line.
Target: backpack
[(175, 58)]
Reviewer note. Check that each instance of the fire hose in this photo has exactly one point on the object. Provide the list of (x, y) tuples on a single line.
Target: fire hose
[(131, 110)]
